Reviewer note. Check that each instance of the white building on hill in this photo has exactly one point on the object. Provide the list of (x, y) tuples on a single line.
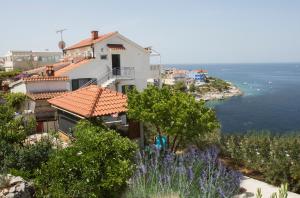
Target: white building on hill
[(110, 60)]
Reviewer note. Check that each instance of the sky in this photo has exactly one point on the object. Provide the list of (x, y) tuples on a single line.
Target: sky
[(183, 31)]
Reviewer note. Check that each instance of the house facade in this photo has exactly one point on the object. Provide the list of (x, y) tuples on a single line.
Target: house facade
[(39, 90), (109, 60), (93, 102), (26, 60)]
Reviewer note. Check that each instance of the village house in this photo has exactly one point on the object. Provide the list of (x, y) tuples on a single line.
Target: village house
[(38, 90), (109, 60), (173, 75), (26, 60), (93, 102)]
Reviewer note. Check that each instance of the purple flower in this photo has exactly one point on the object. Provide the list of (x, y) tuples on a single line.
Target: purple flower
[(190, 173)]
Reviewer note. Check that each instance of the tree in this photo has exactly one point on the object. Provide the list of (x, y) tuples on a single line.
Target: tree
[(175, 113), (180, 86), (192, 88), (97, 164), (14, 100)]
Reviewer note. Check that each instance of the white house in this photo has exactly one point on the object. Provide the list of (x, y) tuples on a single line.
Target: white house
[(38, 90), (110, 60)]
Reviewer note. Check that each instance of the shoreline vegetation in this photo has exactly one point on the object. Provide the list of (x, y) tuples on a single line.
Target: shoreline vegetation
[(217, 89), (212, 89)]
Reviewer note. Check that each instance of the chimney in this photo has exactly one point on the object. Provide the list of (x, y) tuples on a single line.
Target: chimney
[(94, 35), (49, 70)]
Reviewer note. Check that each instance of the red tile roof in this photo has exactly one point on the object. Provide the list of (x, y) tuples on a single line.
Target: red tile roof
[(91, 101), (116, 46), (90, 41), (45, 78), (70, 67), (44, 95), (200, 70)]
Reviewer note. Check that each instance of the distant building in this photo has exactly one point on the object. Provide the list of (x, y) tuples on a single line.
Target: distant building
[(1, 63), (175, 75), (26, 60)]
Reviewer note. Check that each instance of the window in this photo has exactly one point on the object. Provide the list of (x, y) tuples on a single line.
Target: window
[(66, 122), (77, 83), (103, 57)]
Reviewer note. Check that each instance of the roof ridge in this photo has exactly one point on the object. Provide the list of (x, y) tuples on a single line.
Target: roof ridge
[(94, 103)]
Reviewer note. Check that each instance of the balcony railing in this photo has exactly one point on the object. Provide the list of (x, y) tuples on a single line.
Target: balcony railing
[(124, 73)]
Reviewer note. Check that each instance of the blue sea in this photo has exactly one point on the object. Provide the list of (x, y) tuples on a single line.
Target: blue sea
[(271, 99)]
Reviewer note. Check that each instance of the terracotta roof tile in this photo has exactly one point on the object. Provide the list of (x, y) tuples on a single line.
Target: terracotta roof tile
[(90, 41), (91, 101), (45, 78), (44, 95), (70, 67)]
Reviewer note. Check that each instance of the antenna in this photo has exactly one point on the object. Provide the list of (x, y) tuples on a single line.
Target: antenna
[(61, 31), (61, 43)]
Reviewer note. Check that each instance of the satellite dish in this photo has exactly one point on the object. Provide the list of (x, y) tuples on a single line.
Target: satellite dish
[(61, 45)]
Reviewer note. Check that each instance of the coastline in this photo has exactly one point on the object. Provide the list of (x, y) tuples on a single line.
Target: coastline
[(220, 95)]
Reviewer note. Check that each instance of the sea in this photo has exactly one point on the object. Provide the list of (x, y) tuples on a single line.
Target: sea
[(271, 100)]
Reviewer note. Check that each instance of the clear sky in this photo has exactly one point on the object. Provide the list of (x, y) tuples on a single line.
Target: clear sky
[(184, 31)]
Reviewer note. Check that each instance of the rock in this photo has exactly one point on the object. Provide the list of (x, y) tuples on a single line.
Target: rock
[(16, 180), (17, 188)]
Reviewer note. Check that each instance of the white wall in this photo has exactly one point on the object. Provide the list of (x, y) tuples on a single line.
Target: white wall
[(19, 88), (133, 56), (47, 86), (40, 86)]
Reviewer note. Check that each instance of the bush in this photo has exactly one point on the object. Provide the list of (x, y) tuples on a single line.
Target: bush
[(14, 100), (191, 174), (98, 164), (275, 156), (22, 160)]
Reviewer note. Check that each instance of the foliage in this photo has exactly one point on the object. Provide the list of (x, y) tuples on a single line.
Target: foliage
[(97, 164), (213, 84), (282, 192), (11, 129), (14, 99), (275, 156), (192, 88), (27, 158), (180, 86), (175, 113), (190, 174), (9, 74)]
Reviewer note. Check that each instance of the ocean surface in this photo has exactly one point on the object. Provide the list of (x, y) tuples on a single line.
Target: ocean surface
[(271, 99)]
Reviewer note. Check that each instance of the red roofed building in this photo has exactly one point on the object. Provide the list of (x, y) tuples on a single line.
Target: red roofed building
[(38, 90), (109, 60), (91, 102)]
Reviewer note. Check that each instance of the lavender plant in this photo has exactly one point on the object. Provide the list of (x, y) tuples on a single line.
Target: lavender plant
[(190, 174)]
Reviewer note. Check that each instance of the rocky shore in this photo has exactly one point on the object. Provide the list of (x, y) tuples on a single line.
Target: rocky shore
[(220, 95)]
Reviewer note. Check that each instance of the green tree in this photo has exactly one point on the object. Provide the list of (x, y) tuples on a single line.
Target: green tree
[(192, 88), (97, 164), (180, 86), (175, 113), (14, 100)]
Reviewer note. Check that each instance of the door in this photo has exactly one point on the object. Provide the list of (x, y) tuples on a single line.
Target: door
[(116, 66)]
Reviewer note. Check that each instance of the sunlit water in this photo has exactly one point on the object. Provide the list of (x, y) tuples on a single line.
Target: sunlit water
[(271, 99)]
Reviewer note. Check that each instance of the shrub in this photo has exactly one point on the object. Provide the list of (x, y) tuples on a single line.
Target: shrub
[(15, 100), (98, 164), (191, 174), (275, 156)]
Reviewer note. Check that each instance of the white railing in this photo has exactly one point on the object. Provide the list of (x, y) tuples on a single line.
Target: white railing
[(116, 73)]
